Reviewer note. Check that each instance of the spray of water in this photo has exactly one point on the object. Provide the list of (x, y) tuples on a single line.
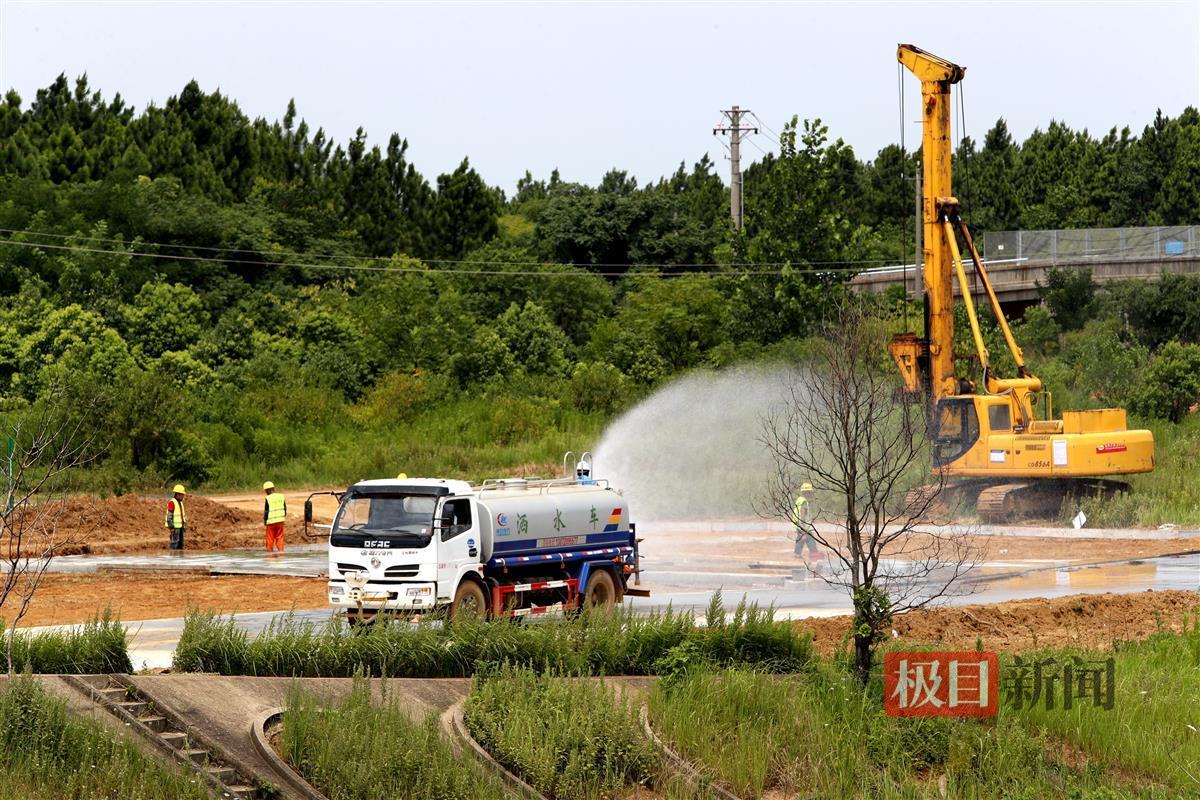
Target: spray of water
[(692, 450)]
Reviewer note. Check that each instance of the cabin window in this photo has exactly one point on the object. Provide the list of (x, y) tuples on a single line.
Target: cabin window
[(956, 429), (999, 418), (456, 518)]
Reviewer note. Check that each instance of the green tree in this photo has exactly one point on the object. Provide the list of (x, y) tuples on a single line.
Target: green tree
[(165, 317), (1068, 294), (1171, 384)]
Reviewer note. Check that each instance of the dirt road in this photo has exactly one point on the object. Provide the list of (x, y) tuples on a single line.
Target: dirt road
[(64, 599)]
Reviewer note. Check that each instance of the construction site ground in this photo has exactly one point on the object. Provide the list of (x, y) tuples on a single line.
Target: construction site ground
[(121, 563)]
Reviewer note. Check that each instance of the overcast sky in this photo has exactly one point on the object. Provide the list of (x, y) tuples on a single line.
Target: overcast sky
[(586, 87)]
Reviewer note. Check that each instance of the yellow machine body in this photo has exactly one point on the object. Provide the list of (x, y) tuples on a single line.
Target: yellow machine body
[(990, 430)]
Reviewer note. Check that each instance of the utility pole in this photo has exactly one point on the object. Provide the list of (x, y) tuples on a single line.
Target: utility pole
[(735, 129)]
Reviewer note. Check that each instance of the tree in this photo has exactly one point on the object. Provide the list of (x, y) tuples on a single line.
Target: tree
[(465, 212), (44, 444), (1068, 293), (868, 459), (1171, 385)]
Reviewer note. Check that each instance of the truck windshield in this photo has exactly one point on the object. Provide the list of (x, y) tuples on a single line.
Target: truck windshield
[(384, 521)]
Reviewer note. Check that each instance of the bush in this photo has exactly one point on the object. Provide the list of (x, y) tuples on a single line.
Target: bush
[(515, 419), (47, 753), (620, 643), (1038, 331), (184, 457), (357, 749), (400, 396), (597, 386), (566, 738), (97, 646), (1171, 384), (1068, 294)]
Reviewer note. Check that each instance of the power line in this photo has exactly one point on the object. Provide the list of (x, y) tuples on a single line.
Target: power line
[(765, 126), (742, 268)]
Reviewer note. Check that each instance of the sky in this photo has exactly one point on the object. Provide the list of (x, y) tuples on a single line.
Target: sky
[(586, 87)]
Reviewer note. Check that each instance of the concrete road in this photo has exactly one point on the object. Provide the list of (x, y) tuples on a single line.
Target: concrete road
[(152, 642)]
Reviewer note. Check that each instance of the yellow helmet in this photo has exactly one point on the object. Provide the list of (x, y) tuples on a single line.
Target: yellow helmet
[(403, 476), (268, 485), (179, 489), (806, 487)]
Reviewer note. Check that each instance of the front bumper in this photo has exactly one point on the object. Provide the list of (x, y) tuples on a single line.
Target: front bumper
[(415, 596)]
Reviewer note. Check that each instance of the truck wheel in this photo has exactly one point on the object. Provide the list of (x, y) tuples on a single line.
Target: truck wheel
[(468, 602), (601, 592)]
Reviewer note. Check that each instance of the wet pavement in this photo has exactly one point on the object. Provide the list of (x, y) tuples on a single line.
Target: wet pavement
[(152, 643), (305, 560), (683, 568)]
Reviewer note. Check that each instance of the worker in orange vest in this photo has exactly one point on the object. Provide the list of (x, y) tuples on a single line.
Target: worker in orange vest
[(274, 514), (176, 519)]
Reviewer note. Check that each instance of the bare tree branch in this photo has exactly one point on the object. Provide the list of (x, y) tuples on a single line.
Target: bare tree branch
[(845, 429), (41, 447)]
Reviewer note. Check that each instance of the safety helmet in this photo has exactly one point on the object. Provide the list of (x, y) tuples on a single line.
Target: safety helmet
[(403, 476), (179, 489), (268, 485), (584, 468), (806, 487)]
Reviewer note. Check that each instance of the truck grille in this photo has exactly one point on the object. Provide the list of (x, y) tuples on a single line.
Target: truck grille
[(344, 568), (401, 571)]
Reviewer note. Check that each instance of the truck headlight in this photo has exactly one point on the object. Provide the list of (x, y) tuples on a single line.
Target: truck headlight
[(337, 589), (418, 591)]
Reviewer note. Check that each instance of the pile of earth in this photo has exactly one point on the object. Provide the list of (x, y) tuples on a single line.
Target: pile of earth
[(1091, 621), (134, 524)]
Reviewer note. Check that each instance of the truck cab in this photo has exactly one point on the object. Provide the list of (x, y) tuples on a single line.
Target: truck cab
[(402, 545)]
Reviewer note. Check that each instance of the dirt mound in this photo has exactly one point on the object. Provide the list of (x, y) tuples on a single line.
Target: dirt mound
[(134, 524), (1087, 620)]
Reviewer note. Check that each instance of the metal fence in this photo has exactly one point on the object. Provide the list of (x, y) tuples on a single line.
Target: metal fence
[(1090, 243)]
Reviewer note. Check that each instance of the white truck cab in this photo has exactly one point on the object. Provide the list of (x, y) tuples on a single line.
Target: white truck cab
[(394, 543)]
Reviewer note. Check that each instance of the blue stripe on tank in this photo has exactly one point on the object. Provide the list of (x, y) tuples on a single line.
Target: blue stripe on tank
[(530, 545)]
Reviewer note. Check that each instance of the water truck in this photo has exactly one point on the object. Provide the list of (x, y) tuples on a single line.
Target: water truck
[(506, 547)]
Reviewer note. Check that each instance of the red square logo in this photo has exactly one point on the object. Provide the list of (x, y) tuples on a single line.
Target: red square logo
[(941, 684)]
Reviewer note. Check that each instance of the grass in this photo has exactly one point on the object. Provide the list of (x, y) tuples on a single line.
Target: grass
[(618, 643), (820, 735), (1153, 728), (48, 754), (99, 645), (1169, 494), (356, 750), (565, 737), (307, 437)]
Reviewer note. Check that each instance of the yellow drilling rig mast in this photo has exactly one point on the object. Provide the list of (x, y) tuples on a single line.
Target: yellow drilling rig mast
[(988, 431)]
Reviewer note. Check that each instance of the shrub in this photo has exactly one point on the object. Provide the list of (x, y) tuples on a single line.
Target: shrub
[(99, 645), (566, 738), (1068, 294), (49, 754), (598, 386), (400, 396), (620, 643), (1171, 385), (516, 419), (357, 749)]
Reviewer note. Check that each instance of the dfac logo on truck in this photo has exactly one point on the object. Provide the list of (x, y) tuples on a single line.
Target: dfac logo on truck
[(502, 528)]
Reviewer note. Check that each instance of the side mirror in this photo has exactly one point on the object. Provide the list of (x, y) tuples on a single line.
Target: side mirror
[(308, 514)]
